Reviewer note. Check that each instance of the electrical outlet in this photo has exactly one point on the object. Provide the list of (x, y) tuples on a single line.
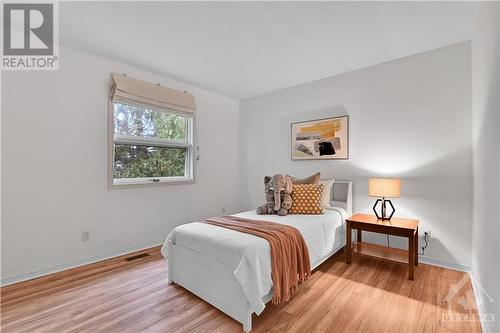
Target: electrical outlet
[(428, 233), (223, 210), (85, 236)]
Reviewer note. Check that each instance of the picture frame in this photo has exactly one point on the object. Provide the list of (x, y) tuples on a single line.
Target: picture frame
[(320, 139)]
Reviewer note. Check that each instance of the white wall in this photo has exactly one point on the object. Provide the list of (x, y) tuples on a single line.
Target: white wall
[(486, 157), (409, 118), (55, 168)]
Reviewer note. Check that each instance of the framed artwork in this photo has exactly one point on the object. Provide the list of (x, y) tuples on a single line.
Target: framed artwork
[(321, 139)]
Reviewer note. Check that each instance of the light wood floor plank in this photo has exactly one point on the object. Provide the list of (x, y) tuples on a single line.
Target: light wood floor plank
[(133, 296)]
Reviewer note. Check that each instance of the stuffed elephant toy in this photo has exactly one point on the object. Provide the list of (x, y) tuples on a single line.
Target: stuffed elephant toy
[(278, 199)]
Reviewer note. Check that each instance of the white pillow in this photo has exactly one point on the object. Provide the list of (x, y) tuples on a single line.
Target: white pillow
[(327, 191)]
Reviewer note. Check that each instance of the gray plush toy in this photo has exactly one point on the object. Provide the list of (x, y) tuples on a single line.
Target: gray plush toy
[(278, 199)]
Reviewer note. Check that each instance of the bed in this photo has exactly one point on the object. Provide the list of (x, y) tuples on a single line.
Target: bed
[(232, 270)]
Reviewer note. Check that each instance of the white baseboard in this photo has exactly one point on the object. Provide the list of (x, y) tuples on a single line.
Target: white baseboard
[(59, 268), (444, 264)]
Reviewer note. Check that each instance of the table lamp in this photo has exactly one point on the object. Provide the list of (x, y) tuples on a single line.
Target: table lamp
[(384, 188)]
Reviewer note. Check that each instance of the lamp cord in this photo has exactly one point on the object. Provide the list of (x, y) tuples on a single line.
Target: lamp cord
[(426, 240)]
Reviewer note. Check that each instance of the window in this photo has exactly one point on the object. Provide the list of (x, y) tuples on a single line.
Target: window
[(151, 145), (151, 133)]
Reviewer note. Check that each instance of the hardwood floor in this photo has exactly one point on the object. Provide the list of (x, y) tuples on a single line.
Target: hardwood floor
[(133, 296)]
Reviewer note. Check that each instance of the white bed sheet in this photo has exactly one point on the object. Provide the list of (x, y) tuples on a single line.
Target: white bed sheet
[(249, 257)]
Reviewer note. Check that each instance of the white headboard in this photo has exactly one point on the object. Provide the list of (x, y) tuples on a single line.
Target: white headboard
[(341, 195)]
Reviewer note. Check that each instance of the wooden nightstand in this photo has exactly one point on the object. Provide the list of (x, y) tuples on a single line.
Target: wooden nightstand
[(395, 226)]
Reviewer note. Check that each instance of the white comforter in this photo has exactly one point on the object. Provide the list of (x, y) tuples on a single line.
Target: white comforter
[(250, 257)]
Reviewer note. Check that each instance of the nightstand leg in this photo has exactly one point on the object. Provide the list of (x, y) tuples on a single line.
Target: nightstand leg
[(411, 257), (348, 243), (359, 236), (416, 247)]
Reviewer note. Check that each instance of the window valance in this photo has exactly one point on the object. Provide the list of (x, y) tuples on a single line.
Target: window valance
[(128, 89)]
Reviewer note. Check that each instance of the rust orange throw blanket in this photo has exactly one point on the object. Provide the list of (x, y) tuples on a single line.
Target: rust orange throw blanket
[(289, 255)]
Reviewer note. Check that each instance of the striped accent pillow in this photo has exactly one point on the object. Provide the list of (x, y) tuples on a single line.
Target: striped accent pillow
[(307, 199)]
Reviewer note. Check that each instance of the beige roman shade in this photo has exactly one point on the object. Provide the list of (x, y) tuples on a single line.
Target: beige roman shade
[(125, 89)]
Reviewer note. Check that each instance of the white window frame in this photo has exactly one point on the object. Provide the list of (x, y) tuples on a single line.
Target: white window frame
[(135, 140)]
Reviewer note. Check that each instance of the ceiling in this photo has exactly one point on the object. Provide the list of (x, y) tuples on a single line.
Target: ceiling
[(245, 49)]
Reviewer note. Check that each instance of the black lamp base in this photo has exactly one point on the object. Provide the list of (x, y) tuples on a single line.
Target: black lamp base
[(383, 209)]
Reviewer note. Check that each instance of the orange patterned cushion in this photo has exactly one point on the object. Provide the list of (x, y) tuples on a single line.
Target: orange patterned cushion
[(306, 199)]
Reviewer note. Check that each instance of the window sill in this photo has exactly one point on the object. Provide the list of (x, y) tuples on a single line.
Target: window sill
[(141, 182)]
